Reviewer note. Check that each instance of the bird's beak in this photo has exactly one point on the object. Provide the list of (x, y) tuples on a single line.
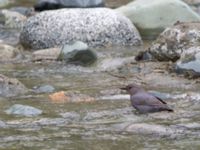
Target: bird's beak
[(123, 88)]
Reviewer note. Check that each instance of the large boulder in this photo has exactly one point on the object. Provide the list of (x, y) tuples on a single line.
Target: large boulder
[(151, 17), (55, 4), (175, 40), (94, 26)]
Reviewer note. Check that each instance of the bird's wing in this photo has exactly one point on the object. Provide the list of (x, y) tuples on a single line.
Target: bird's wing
[(147, 99), (160, 100)]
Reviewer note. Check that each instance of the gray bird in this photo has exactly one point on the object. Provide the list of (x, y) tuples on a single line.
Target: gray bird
[(145, 102)]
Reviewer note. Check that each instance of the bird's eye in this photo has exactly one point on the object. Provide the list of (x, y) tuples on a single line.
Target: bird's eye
[(129, 87)]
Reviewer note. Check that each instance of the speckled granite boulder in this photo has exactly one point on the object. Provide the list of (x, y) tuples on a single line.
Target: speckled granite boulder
[(94, 26), (175, 40)]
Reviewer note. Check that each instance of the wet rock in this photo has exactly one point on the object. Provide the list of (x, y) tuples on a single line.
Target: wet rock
[(23, 110), (55, 4), (78, 53), (151, 25), (46, 54), (70, 97), (11, 19), (4, 3), (189, 63), (44, 89), (7, 52), (175, 40), (143, 56), (94, 26), (71, 116), (26, 11), (11, 87)]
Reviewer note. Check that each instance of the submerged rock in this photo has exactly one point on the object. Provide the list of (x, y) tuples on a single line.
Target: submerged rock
[(11, 87), (152, 17), (44, 89), (189, 64), (11, 19), (78, 53), (55, 4), (94, 26), (175, 40), (23, 110)]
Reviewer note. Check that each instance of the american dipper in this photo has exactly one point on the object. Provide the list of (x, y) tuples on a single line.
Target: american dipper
[(145, 102)]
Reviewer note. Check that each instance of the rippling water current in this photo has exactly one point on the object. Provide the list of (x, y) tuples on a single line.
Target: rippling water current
[(109, 123)]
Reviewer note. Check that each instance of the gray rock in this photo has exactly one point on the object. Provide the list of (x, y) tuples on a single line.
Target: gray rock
[(11, 19), (189, 63), (23, 110), (11, 87), (55, 4), (78, 53), (175, 40), (44, 89), (152, 17), (94, 26)]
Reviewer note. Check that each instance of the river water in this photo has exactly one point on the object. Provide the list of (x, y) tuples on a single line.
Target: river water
[(109, 122)]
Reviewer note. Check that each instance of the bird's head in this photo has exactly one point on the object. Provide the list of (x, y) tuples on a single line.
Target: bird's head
[(132, 89)]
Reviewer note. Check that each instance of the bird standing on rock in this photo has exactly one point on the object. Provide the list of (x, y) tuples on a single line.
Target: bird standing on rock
[(145, 102)]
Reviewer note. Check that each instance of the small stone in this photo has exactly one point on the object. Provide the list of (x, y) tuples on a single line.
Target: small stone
[(23, 110), (70, 97), (46, 54), (44, 89)]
